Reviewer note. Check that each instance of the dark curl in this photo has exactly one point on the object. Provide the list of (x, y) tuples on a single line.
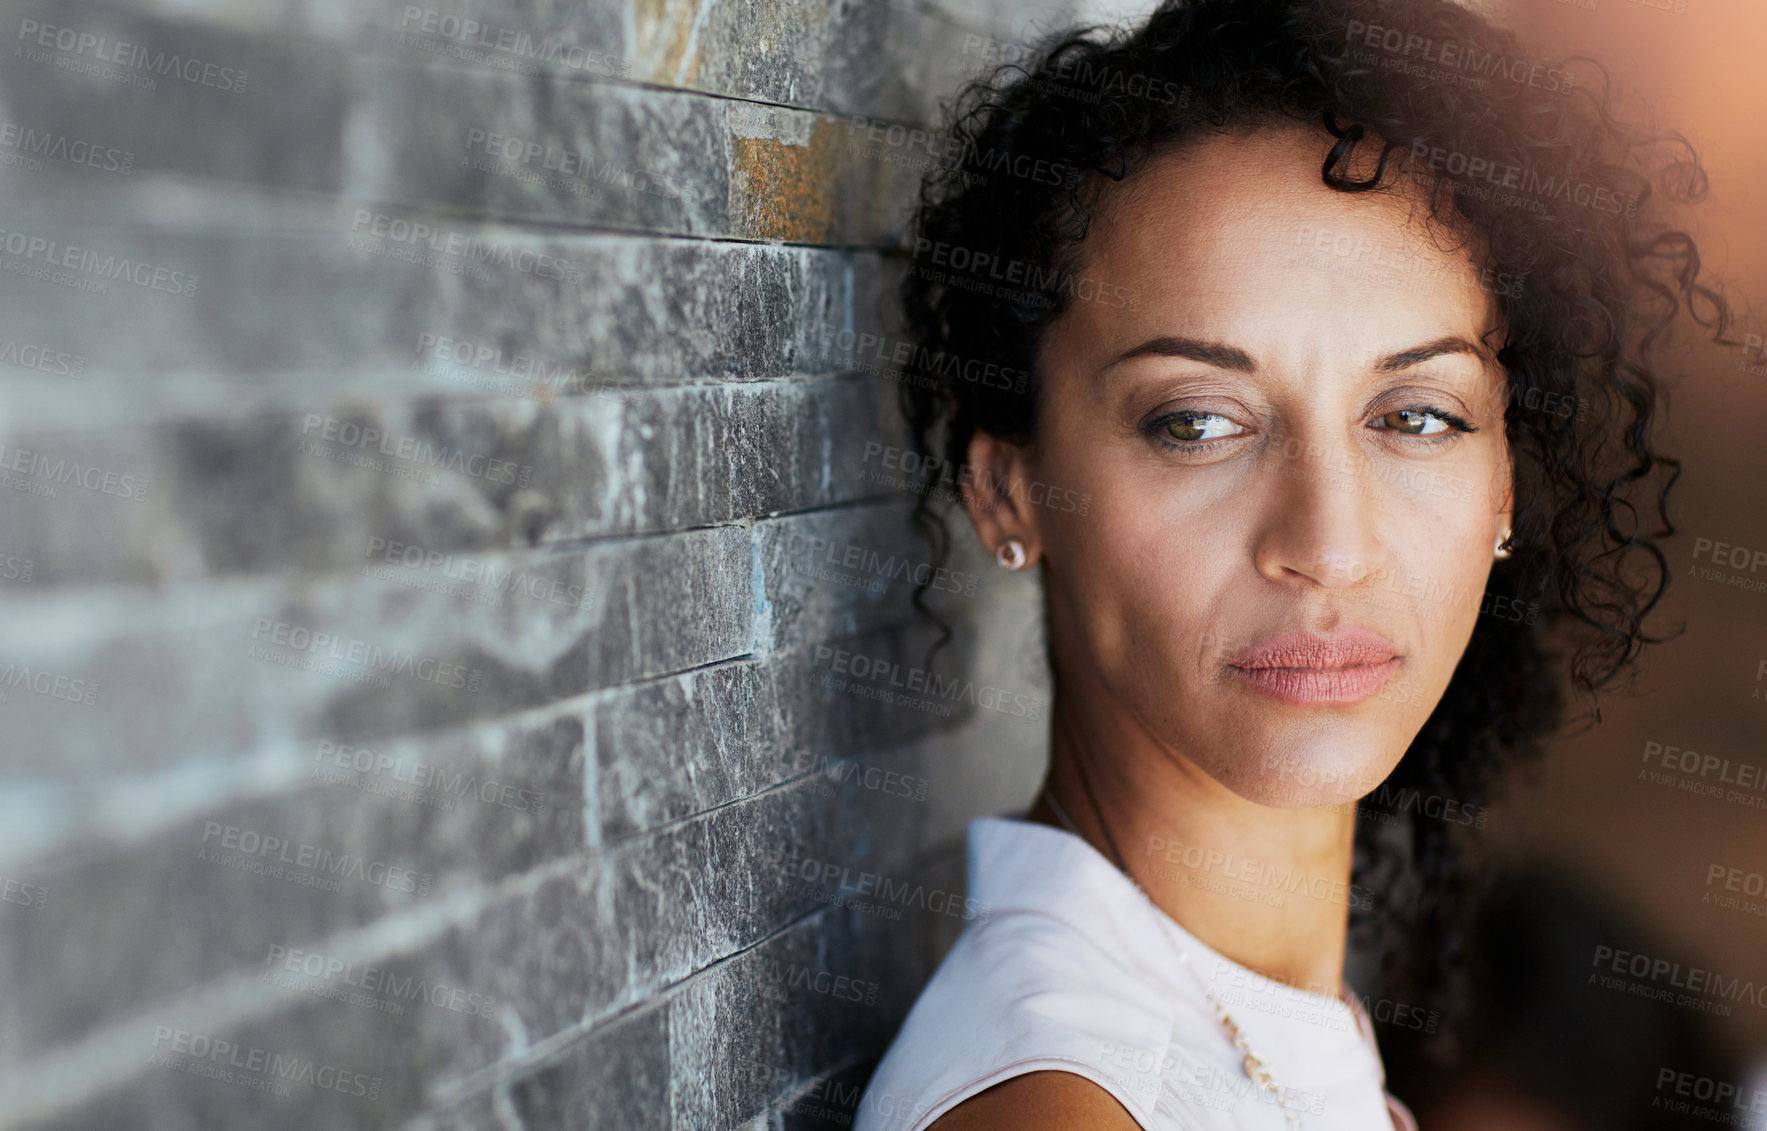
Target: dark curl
[(1551, 195)]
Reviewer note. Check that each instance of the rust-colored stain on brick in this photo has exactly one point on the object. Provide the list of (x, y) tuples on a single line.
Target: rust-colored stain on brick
[(663, 29), (780, 191)]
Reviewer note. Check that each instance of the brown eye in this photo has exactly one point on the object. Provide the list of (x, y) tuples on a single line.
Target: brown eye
[(1191, 427), (1413, 422)]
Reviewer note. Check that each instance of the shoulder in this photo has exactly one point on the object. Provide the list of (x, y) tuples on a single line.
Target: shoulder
[(1042, 1098), (1027, 998)]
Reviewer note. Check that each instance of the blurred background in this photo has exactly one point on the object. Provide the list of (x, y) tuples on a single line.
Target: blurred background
[(1602, 855), (455, 663)]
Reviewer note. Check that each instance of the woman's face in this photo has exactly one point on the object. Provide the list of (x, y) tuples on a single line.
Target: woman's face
[(1264, 403)]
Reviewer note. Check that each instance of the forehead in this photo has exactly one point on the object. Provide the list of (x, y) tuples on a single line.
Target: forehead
[(1237, 237)]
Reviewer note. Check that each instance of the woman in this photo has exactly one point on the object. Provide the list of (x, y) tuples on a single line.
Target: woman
[(1336, 313)]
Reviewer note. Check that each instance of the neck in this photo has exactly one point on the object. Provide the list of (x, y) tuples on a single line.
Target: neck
[(1265, 887)]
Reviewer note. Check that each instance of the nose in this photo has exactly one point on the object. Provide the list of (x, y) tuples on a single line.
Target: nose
[(1319, 515)]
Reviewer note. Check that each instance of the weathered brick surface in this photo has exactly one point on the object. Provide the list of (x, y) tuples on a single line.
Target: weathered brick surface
[(392, 657), (457, 666), (428, 491), (356, 324), (343, 850), (886, 59), (414, 129)]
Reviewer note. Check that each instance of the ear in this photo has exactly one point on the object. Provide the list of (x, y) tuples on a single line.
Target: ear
[(1506, 499), (995, 492)]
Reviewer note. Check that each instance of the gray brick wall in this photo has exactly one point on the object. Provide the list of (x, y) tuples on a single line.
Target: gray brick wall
[(440, 560)]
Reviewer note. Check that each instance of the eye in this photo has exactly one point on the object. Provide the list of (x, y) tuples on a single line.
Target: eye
[(1195, 427), (1420, 422)]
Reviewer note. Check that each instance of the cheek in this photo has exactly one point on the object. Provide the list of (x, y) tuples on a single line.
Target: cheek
[(1442, 559), (1142, 574)]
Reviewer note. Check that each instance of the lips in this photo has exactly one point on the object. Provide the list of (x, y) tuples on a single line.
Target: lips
[(1306, 668)]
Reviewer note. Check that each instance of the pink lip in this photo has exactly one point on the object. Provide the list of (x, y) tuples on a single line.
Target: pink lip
[(1311, 668)]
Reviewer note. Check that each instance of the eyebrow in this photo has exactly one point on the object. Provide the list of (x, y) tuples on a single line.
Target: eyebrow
[(1209, 353), (1405, 359), (1223, 356)]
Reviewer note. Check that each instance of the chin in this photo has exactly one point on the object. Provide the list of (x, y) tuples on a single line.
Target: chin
[(1321, 773)]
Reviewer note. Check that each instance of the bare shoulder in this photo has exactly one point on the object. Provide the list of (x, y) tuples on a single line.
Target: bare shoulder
[(1040, 1099)]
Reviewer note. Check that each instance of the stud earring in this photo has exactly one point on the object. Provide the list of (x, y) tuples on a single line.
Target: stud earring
[(1503, 546), (1011, 554)]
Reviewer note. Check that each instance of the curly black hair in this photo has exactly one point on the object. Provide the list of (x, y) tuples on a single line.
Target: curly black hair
[(1527, 164)]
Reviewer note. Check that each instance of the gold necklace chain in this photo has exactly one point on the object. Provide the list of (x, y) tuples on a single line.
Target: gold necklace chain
[(1255, 1068)]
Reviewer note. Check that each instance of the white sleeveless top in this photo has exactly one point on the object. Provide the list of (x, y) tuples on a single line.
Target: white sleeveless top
[(1068, 966)]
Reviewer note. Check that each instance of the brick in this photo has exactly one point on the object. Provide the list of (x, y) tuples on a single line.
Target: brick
[(691, 742), (650, 606), (368, 487), (761, 1024), (410, 129), (837, 572), (98, 947), (684, 744), (320, 1081), (355, 326), (615, 1077), (884, 59)]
